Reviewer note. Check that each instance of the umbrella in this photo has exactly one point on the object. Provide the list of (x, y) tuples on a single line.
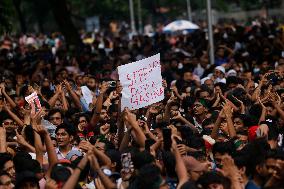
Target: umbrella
[(180, 25)]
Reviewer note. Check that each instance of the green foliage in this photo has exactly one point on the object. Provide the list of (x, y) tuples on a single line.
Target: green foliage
[(106, 9), (5, 16), (251, 4), (220, 5)]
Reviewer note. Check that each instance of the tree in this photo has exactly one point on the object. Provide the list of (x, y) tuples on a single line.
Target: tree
[(63, 19), (21, 17), (5, 16)]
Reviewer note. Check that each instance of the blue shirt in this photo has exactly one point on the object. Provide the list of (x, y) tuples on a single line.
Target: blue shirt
[(251, 185)]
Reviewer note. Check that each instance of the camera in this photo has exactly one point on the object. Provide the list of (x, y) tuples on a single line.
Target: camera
[(273, 78), (112, 84)]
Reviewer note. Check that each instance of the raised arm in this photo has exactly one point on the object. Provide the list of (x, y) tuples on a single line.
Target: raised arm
[(3, 142), (228, 114), (21, 140), (13, 115), (257, 91), (185, 121), (168, 109), (64, 101), (99, 104), (105, 179), (180, 167), (214, 133), (7, 97), (52, 157), (38, 148), (56, 95), (125, 141), (263, 111), (277, 105), (104, 159), (137, 132), (73, 179), (73, 95)]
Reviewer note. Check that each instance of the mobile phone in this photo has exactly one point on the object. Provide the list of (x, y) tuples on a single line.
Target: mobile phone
[(126, 162), (178, 141), (257, 132), (167, 133)]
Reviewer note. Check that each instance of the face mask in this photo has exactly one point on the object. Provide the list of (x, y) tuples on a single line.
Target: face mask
[(255, 70)]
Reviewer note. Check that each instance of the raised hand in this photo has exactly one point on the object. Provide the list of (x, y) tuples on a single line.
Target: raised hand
[(183, 149), (79, 92), (85, 145), (227, 109), (144, 126), (263, 79), (2, 88), (113, 95), (129, 116), (58, 89), (36, 118), (104, 129), (20, 139), (242, 108), (177, 115), (67, 85), (261, 103), (40, 129)]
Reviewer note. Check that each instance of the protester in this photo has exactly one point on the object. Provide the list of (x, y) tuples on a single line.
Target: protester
[(220, 124)]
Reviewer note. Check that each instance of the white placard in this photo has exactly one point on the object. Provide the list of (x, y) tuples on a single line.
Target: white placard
[(87, 94), (34, 103), (141, 82)]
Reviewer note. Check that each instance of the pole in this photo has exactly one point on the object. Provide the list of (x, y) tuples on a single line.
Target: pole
[(140, 17), (188, 10), (210, 32), (132, 19)]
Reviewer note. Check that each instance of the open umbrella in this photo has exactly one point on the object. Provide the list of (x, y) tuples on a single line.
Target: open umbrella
[(180, 25)]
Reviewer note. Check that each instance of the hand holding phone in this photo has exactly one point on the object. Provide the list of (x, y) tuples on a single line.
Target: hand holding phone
[(126, 162), (112, 84)]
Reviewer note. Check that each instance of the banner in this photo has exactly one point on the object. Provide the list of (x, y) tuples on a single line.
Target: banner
[(141, 82)]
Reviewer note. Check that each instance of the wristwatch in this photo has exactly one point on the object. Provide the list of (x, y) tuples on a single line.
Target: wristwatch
[(106, 171)]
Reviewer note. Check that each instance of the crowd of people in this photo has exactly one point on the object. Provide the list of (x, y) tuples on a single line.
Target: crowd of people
[(220, 125)]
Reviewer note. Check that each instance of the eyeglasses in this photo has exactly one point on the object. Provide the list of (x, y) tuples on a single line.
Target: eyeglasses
[(8, 123)]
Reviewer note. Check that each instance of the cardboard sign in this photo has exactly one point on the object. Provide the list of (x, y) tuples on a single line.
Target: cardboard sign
[(141, 82), (34, 103)]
